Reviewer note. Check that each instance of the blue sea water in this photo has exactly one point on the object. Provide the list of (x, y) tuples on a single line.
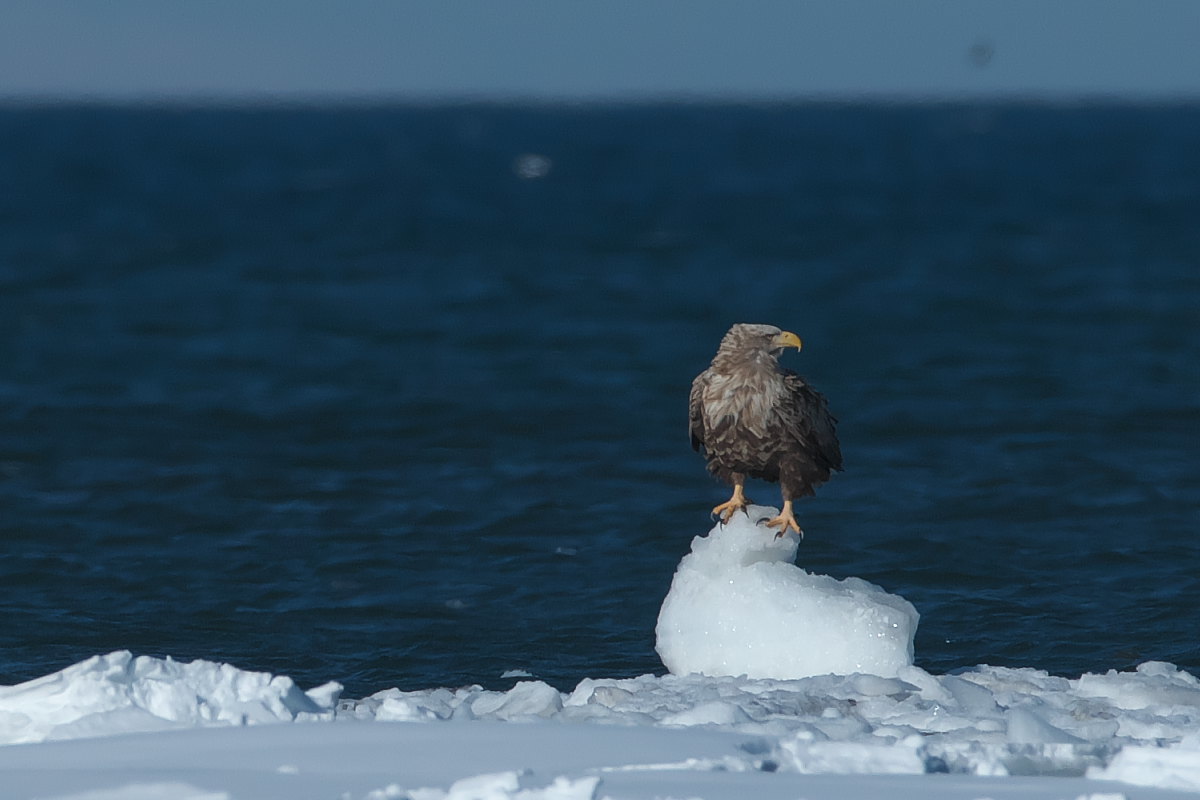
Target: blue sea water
[(397, 396)]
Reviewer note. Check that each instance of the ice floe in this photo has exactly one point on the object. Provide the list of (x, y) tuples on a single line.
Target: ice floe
[(782, 684)]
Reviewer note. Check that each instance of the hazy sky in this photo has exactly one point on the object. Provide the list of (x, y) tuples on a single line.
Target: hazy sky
[(578, 48)]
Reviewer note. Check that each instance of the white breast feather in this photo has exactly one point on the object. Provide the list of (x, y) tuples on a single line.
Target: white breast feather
[(750, 404)]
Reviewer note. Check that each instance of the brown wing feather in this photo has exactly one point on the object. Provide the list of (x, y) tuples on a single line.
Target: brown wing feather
[(811, 420), (695, 412)]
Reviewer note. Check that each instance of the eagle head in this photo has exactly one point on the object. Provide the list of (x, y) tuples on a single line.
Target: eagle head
[(747, 341)]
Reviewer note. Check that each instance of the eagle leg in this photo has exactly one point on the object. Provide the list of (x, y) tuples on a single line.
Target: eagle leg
[(738, 501), (785, 520)]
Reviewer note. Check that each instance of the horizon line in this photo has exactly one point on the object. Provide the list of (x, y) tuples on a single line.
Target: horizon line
[(375, 99)]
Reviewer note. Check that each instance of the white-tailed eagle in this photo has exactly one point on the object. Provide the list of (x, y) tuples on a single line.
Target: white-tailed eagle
[(751, 417)]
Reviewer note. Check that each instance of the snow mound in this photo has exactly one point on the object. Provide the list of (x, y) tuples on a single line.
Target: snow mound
[(117, 693), (738, 605)]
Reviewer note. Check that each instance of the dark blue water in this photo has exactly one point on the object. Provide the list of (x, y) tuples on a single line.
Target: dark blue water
[(365, 395)]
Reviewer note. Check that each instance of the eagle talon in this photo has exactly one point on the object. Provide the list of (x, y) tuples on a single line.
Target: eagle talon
[(727, 509), (784, 521)]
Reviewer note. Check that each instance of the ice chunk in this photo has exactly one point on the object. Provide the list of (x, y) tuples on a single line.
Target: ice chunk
[(326, 695), (711, 713), (510, 785), (526, 699), (485, 787), (973, 698), (1154, 684), (516, 673), (1025, 726), (738, 605), (1163, 767), (117, 693), (848, 759)]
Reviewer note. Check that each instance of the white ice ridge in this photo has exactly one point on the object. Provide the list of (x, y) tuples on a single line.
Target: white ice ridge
[(739, 605), (1139, 727), (115, 693), (983, 721)]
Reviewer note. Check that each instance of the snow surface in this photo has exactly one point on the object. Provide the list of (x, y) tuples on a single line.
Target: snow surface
[(140, 728)]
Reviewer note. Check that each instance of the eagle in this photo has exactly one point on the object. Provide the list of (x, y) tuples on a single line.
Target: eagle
[(750, 417)]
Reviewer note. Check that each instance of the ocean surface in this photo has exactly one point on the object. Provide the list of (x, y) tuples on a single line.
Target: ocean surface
[(397, 396)]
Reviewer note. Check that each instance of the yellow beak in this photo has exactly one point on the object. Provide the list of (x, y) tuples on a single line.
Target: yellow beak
[(788, 339)]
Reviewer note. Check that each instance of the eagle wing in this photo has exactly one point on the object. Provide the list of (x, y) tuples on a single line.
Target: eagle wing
[(811, 421), (696, 410)]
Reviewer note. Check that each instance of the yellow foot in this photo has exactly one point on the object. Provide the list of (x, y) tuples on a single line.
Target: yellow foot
[(727, 509), (784, 521), (736, 503)]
